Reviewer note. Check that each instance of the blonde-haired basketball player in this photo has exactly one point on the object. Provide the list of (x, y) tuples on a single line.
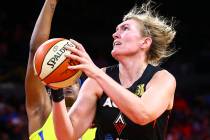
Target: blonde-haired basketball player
[(131, 100), (38, 102)]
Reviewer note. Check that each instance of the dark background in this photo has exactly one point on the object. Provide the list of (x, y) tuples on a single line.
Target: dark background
[(92, 22)]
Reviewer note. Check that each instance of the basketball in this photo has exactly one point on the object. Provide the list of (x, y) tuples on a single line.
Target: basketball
[(51, 65)]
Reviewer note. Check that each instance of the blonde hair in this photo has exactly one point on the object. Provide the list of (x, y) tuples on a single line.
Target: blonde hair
[(157, 27)]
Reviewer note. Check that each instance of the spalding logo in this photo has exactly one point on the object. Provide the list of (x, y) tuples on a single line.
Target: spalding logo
[(57, 55)]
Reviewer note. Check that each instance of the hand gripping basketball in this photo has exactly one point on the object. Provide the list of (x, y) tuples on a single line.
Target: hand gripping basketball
[(51, 65)]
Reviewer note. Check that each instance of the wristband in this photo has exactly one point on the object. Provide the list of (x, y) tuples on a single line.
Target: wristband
[(57, 95)]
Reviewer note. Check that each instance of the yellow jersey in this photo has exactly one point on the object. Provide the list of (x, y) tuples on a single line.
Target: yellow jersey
[(89, 134), (46, 132)]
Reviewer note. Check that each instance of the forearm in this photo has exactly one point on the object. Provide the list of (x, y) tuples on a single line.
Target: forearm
[(131, 105), (42, 27), (62, 123)]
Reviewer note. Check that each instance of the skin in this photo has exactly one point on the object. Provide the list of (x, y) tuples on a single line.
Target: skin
[(38, 103), (130, 49)]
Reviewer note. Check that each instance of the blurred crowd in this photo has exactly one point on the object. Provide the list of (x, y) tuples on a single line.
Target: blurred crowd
[(13, 119), (190, 118)]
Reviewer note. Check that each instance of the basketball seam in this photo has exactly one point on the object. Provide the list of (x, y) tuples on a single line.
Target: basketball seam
[(63, 80), (54, 70), (46, 54)]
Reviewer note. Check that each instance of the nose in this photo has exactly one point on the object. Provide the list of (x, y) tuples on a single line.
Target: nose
[(115, 35)]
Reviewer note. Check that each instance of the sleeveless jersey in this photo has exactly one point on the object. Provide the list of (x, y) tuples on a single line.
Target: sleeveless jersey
[(112, 124), (47, 132)]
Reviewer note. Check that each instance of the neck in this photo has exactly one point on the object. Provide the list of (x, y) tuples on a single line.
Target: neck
[(131, 70)]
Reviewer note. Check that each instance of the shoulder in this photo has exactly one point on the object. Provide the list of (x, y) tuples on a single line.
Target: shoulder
[(164, 78), (164, 74)]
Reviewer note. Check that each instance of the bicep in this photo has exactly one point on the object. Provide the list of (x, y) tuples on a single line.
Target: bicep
[(83, 110), (159, 93)]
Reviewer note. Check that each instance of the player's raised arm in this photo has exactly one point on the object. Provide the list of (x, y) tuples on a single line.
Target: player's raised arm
[(37, 101)]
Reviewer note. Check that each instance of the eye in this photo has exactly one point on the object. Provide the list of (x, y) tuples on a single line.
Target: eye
[(125, 28)]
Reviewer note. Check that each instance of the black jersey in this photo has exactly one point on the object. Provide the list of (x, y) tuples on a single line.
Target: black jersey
[(112, 124)]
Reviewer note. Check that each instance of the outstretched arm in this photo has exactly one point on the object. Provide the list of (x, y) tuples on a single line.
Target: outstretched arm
[(38, 104)]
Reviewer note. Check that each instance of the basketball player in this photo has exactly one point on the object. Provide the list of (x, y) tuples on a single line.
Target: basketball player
[(38, 102), (131, 100)]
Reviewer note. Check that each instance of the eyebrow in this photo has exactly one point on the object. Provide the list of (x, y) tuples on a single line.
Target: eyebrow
[(121, 25)]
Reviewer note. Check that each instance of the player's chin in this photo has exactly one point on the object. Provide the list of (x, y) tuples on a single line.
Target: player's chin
[(115, 54)]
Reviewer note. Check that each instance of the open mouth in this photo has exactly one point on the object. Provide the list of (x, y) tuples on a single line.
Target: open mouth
[(116, 43)]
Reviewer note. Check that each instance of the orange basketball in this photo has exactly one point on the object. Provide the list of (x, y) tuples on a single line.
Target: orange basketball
[(50, 64)]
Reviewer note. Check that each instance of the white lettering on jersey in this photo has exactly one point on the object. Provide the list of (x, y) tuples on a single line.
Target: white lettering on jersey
[(109, 103)]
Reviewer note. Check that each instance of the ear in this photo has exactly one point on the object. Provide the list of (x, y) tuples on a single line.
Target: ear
[(146, 42)]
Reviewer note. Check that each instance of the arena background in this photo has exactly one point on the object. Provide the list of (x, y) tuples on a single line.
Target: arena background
[(92, 23)]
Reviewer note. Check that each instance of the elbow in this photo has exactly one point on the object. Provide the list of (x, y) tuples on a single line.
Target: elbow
[(32, 43), (144, 122), (143, 118), (32, 48), (36, 41)]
